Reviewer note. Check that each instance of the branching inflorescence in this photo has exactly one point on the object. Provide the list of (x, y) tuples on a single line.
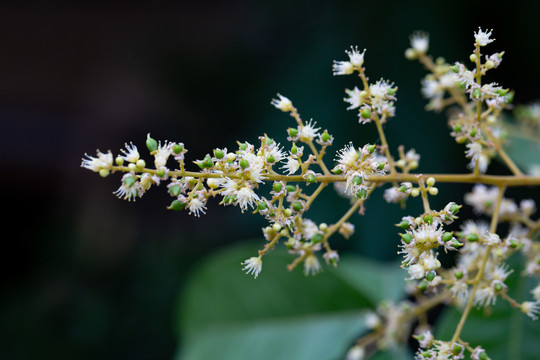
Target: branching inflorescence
[(299, 172)]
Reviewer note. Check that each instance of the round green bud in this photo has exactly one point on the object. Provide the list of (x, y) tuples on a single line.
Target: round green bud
[(430, 276), (160, 172), (207, 162), (457, 128), (290, 188), (287, 212), (457, 349), (276, 227), (430, 181), (433, 191), (132, 167), (261, 205), (175, 190), (337, 171), (104, 173), (357, 180), (365, 113), (311, 178), (455, 68), (177, 149), (151, 144), (473, 132), (458, 274), (455, 244), (326, 136), (472, 238), (119, 161), (410, 54), (270, 159), (422, 285), (415, 192), (514, 243), (129, 181), (277, 187), (362, 194), (219, 154), (268, 141), (498, 287), (177, 205), (473, 57), (244, 163), (140, 163), (297, 206), (404, 225), (407, 238), (483, 356), (323, 226), (293, 132), (477, 94), (242, 146), (294, 149), (489, 64), (428, 219), (381, 165), (317, 238), (447, 236)]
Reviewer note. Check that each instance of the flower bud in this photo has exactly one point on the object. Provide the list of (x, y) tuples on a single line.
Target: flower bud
[(151, 144)]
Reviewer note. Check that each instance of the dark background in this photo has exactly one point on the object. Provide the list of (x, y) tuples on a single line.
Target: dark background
[(89, 276)]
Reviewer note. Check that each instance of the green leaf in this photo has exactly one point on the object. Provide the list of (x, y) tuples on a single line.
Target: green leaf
[(226, 314), (503, 331)]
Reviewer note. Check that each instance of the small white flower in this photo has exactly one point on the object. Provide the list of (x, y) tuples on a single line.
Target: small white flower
[(162, 154), (483, 38), (356, 57), (357, 352), (253, 266), (342, 68), (130, 188), (372, 320), (103, 161), (491, 239), (311, 265), (308, 131), (283, 103), (347, 156), (531, 308), (292, 165), (420, 42), (416, 272), (536, 292), (354, 98), (132, 154), (246, 197), (393, 195), (485, 296), (195, 206)]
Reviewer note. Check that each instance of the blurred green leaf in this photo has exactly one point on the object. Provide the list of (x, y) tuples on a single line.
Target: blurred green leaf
[(504, 332), (226, 314)]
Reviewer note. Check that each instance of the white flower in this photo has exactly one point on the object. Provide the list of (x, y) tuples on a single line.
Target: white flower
[(536, 292), (103, 161), (354, 98), (246, 197), (342, 68), (485, 296), (347, 156), (428, 235), (416, 272), (393, 195), (291, 166), (483, 38), (357, 352), (531, 308), (474, 151), (132, 154), (162, 154), (356, 57), (253, 266), (195, 206), (130, 188), (283, 103), (311, 265), (527, 207), (491, 239), (427, 339), (308, 132), (420, 42)]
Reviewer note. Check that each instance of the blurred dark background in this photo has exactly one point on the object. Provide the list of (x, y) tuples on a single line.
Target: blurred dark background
[(89, 276)]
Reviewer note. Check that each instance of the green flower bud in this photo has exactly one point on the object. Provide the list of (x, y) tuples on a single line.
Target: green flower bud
[(104, 173), (404, 225), (473, 132), (140, 163), (472, 237), (455, 244), (207, 162), (293, 132), (177, 148), (455, 208), (175, 190), (317, 238), (447, 236), (177, 205), (457, 128), (371, 148), (362, 194), (326, 136), (287, 212), (151, 144), (458, 274), (119, 161), (365, 113), (455, 68), (430, 276), (422, 285), (428, 219), (483, 356), (270, 159), (498, 287), (357, 180), (219, 154), (268, 141), (160, 172), (477, 94), (244, 164), (337, 171), (294, 149), (514, 243), (407, 238), (457, 349), (290, 188), (277, 187), (129, 181), (311, 178), (261, 205), (381, 165), (297, 206)]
